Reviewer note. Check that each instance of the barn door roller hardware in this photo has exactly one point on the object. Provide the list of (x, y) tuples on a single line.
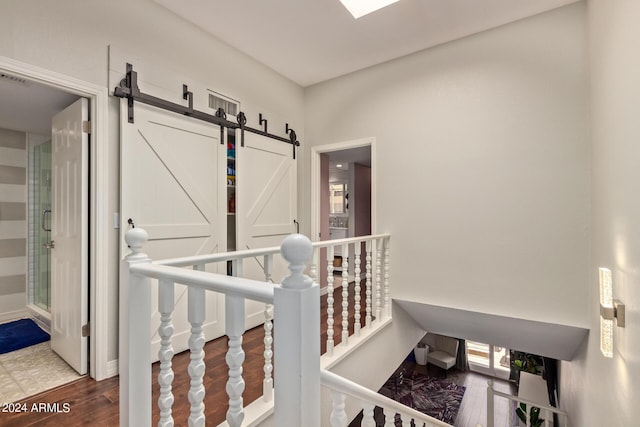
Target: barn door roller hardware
[(129, 89)]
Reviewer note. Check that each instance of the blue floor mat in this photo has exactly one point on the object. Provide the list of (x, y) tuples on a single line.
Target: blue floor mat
[(20, 334)]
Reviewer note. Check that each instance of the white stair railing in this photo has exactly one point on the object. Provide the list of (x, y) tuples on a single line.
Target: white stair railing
[(297, 326), (376, 256), (137, 270), (341, 387), (546, 411)]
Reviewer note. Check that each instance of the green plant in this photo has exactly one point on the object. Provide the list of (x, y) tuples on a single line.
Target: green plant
[(534, 415), (526, 362)]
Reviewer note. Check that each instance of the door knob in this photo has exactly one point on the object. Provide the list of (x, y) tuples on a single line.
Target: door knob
[(49, 245)]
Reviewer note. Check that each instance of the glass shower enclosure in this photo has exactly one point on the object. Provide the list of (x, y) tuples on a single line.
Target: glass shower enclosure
[(40, 226)]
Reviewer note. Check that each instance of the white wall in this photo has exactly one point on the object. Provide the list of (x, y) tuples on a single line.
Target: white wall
[(72, 38), (600, 391), (483, 169), (13, 224)]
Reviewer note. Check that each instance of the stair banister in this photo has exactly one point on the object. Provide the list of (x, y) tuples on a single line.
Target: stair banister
[(342, 386)]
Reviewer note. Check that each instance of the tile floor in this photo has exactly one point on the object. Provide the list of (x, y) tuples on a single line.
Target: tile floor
[(31, 370)]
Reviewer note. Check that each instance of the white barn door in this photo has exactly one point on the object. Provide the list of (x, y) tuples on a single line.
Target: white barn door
[(172, 170), (69, 234), (265, 208)]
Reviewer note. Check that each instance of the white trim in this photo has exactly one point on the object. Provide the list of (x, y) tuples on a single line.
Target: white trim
[(99, 250), (10, 316), (315, 180), (112, 368), (341, 351)]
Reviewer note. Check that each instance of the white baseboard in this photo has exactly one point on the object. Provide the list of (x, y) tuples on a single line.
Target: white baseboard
[(112, 368), (10, 316)]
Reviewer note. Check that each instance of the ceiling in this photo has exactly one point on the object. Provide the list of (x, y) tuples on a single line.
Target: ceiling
[(545, 339), (310, 41), (28, 106)]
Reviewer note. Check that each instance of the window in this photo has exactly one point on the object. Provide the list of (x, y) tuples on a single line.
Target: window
[(489, 359)]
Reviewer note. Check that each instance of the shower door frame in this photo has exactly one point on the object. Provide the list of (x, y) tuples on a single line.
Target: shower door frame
[(99, 249), (34, 243)]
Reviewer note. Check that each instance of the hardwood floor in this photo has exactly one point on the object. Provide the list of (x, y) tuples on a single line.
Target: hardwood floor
[(97, 403), (473, 409)]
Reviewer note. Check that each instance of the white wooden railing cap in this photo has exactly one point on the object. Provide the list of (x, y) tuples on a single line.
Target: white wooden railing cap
[(297, 250), (136, 237)]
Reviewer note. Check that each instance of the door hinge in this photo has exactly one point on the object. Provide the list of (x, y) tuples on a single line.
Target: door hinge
[(86, 330), (86, 126)]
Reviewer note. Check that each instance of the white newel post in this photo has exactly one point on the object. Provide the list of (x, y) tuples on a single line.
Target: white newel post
[(135, 336), (297, 347)]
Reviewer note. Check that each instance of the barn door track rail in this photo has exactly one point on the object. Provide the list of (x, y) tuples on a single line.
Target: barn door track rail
[(129, 89)]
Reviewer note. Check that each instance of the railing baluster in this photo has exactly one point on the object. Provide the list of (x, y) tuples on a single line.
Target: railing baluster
[(367, 415), (330, 342), (389, 418), (234, 324), (313, 267), (356, 296), (267, 383), (236, 267), (387, 301), (338, 413), (268, 268), (165, 353), (490, 403), (378, 260), (196, 315), (345, 294), (368, 284)]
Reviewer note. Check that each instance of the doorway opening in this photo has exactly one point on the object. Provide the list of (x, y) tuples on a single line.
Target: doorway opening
[(343, 195), (489, 359), (27, 109)]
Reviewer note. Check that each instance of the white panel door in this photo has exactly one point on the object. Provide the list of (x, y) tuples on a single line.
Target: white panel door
[(171, 185), (69, 227), (265, 207)]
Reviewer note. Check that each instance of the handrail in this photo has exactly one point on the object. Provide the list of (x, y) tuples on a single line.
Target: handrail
[(251, 289), (218, 257), (343, 385), (347, 240), (530, 402), (249, 253)]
